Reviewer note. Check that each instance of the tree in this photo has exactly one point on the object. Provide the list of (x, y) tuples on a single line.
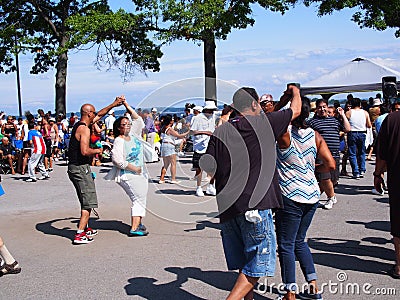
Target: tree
[(204, 21), (376, 14), (50, 29)]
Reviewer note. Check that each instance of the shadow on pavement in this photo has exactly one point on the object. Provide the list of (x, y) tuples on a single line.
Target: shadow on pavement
[(174, 191), (69, 232), (201, 225), (347, 255), (352, 189), (376, 225), (147, 288)]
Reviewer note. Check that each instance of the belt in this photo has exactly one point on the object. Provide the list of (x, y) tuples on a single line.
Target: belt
[(168, 143)]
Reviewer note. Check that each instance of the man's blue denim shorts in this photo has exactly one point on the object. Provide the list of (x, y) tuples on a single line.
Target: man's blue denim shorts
[(250, 246)]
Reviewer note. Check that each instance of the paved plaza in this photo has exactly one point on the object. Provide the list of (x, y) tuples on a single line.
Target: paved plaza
[(182, 258)]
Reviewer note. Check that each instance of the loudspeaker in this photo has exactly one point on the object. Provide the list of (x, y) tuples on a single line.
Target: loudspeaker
[(389, 87)]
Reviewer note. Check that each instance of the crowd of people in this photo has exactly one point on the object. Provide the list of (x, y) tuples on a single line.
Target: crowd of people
[(311, 140)]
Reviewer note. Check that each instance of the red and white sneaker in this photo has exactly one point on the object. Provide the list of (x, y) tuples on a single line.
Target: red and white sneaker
[(82, 238), (91, 232)]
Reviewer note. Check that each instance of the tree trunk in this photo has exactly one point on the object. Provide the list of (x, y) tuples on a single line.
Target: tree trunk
[(209, 68), (61, 80)]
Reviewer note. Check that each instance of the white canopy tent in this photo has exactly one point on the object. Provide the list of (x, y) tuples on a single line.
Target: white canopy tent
[(359, 75)]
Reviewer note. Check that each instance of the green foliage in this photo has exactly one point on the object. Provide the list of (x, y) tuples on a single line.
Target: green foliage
[(198, 20), (376, 14), (48, 29)]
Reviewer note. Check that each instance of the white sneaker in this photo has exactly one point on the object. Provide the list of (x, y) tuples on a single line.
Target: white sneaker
[(199, 192), (328, 204), (375, 192), (211, 190), (334, 200)]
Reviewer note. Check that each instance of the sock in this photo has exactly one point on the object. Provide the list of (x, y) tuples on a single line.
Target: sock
[(8, 259), (79, 231)]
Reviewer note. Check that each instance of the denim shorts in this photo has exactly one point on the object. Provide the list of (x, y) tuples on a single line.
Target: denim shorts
[(250, 247), (167, 149)]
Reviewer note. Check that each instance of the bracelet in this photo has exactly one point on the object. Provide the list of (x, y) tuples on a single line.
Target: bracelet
[(377, 175)]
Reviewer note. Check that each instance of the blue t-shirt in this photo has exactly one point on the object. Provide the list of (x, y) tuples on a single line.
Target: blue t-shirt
[(134, 153)]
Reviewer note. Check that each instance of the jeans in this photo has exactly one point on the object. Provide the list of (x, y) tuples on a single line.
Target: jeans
[(356, 144), (292, 223)]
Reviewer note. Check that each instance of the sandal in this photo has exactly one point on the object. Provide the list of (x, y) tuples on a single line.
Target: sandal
[(9, 269), (392, 273)]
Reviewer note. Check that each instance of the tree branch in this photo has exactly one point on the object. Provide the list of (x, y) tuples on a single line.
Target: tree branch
[(45, 17)]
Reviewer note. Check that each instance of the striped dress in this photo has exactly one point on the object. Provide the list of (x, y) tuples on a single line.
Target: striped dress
[(296, 166)]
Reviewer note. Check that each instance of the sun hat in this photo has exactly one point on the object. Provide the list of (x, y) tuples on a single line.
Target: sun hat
[(377, 102), (266, 98), (210, 105), (198, 108)]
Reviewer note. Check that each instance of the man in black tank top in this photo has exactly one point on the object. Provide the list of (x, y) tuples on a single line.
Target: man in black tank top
[(79, 171)]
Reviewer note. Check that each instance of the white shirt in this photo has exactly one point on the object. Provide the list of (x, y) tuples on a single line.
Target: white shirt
[(202, 123), (109, 121), (137, 127)]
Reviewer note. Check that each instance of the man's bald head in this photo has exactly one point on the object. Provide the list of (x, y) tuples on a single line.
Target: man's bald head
[(87, 108)]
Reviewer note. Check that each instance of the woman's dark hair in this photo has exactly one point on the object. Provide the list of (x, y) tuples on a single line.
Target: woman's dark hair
[(165, 122), (117, 124), (355, 102), (226, 110), (300, 121)]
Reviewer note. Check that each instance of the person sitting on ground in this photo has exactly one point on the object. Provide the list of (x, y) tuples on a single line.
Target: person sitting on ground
[(8, 153), (10, 129), (168, 136)]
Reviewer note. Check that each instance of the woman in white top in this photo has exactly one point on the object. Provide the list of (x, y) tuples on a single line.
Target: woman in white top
[(168, 135), (128, 170), (359, 122)]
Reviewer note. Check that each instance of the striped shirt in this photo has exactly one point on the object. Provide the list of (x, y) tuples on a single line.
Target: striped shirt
[(296, 166), (329, 128), (38, 145)]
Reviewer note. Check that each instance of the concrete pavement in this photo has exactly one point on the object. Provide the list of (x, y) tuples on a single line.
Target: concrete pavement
[(182, 258)]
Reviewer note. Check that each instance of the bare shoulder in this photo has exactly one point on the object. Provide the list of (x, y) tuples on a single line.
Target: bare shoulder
[(82, 131)]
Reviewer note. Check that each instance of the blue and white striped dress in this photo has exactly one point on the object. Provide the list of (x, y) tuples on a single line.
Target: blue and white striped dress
[(296, 166)]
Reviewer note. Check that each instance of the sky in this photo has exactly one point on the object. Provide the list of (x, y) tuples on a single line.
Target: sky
[(296, 47)]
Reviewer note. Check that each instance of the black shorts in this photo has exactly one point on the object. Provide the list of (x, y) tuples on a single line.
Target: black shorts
[(196, 159), (332, 175), (48, 148)]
